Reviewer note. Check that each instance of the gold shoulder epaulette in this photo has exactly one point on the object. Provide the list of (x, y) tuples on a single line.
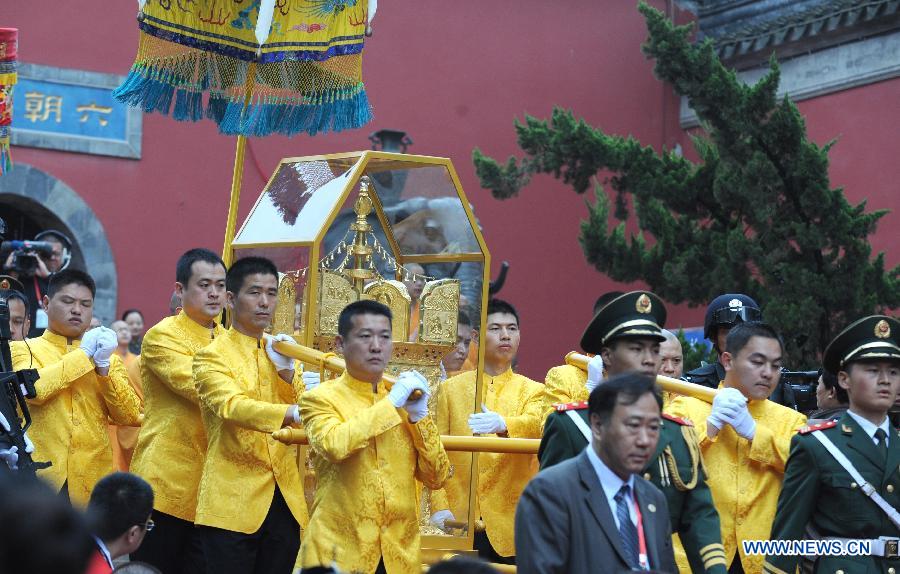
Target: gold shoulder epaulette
[(819, 426), (679, 420), (576, 406)]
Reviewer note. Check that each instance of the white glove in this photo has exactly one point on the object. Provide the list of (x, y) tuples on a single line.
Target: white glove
[(89, 342), (281, 362), (311, 380), (4, 423), (107, 341), (11, 457), (743, 423), (29, 446), (595, 373), (295, 413), (418, 409), (486, 422), (440, 517), (725, 407), (407, 382)]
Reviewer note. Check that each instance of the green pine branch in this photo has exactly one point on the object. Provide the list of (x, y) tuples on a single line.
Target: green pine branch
[(756, 215)]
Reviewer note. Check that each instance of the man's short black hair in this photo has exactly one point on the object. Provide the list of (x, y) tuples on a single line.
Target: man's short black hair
[(119, 501), (602, 300), (240, 269), (136, 568), (70, 277), (361, 307), (40, 533), (830, 381), (463, 319), (186, 263), (624, 389), (129, 312), (501, 306), (741, 334), (462, 565)]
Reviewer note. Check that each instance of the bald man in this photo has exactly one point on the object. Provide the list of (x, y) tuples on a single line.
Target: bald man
[(123, 439), (671, 356)]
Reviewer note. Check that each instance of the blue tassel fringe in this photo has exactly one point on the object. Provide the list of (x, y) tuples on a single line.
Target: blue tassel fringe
[(154, 90)]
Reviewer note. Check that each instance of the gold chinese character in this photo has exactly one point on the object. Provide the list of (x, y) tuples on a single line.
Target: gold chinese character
[(39, 107), (93, 107)]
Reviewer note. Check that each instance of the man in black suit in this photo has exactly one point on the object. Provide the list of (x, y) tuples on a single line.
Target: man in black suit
[(595, 511)]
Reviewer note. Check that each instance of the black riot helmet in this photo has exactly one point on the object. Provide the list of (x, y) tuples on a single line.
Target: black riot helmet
[(727, 311)]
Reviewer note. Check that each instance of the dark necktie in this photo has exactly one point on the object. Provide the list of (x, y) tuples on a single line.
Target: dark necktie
[(627, 530), (882, 443)]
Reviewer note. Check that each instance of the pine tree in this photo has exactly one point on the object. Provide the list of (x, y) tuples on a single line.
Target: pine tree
[(756, 215)]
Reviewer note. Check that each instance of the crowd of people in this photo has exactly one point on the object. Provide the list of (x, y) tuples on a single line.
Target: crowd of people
[(626, 477)]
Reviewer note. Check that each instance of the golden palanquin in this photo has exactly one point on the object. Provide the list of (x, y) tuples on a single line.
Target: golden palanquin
[(369, 225)]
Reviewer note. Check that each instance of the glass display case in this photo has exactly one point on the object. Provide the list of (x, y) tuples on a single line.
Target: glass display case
[(390, 227)]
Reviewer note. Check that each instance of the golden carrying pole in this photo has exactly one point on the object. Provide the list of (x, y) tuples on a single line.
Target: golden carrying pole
[(290, 435), (311, 356), (669, 384)]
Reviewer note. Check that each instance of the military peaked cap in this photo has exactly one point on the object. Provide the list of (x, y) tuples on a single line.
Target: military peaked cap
[(874, 337), (8, 283), (635, 314)]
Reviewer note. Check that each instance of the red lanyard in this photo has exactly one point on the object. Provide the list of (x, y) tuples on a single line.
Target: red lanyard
[(642, 541)]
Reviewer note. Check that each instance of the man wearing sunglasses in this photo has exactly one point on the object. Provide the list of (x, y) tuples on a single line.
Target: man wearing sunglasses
[(722, 314)]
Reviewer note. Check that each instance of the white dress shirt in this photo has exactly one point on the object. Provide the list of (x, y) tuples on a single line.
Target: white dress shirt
[(611, 484)]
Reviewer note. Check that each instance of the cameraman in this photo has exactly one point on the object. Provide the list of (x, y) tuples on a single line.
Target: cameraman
[(33, 269)]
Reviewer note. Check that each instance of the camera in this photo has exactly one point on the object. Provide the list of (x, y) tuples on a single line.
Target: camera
[(803, 384), (25, 254)]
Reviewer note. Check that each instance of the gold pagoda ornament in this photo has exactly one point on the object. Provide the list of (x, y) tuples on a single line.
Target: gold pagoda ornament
[(357, 277)]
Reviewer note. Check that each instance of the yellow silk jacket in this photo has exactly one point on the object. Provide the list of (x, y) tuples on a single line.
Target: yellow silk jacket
[(367, 458), (501, 477), (123, 439), (744, 477), (242, 402), (71, 411), (172, 443), (563, 384)]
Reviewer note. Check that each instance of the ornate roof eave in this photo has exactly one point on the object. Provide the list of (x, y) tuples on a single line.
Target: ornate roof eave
[(746, 32)]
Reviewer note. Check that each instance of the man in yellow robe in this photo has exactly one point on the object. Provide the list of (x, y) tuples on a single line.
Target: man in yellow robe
[(745, 439), (82, 385), (510, 406), (172, 444), (455, 361), (250, 507), (370, 446), (123, 439)]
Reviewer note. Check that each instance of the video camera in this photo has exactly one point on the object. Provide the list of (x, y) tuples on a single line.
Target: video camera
[(803, 384), (25, 254)]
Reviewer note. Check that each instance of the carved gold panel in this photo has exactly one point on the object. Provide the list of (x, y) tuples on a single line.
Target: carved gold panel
[(439, 312), (335, 293), (394, 295), (285, 309)]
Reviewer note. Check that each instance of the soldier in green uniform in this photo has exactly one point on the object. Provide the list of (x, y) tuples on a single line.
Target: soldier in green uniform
[(842, 479), (627, 333)]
